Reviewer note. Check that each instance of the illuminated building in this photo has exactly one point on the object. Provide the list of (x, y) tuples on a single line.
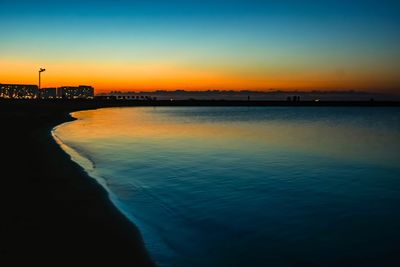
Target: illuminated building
[(48, 93), (80, 92), (19, 91), (24, 91)]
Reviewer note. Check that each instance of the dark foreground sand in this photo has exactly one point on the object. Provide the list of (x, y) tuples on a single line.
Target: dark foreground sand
[(52, 213)]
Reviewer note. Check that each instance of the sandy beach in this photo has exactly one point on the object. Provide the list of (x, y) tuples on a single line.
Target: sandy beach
[(53, 214)]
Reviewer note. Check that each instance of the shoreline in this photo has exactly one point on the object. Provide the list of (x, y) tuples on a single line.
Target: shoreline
[(54, 213), (88, 166)]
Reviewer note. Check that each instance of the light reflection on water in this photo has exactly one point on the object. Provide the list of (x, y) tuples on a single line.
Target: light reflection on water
[(227, 186)]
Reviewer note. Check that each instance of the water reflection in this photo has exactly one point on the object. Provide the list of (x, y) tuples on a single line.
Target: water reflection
[(327, 136), (266, 186)]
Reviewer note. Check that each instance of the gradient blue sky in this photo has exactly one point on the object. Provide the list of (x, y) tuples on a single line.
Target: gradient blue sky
[(218, 44)]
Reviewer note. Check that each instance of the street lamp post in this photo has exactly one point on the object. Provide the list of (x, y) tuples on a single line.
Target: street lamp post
[(40, 72)]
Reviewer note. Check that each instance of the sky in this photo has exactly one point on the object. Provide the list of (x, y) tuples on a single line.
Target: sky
[(201, 45)]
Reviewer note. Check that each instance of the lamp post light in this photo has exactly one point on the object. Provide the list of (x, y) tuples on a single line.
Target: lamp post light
[(40, 72)]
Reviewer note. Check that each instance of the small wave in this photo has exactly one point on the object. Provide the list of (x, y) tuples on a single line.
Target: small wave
[(89, 166), (86, 162)]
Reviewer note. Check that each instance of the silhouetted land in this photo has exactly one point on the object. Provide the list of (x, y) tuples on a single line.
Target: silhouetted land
[(52, 213)]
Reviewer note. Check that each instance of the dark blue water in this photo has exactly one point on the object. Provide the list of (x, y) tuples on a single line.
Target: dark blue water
[(227, 186)]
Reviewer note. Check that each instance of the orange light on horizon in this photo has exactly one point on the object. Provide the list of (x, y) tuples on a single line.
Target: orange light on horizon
[(145, 76)]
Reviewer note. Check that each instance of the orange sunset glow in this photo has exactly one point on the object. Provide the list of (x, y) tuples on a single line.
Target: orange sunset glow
[(145, 76), (208, 133)]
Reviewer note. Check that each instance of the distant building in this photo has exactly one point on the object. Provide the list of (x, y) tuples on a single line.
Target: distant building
[(19, 91), (26, 91), (80, 92), (49, 93)]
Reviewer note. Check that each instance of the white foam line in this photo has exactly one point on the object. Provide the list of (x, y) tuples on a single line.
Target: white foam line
[(89, 167)]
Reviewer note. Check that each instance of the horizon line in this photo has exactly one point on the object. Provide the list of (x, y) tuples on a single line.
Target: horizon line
[(377, 90)]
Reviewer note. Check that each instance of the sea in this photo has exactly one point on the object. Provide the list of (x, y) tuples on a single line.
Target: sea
[(249, 186)]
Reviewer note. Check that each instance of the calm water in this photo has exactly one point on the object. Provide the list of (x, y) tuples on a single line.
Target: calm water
[(227, 186)]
